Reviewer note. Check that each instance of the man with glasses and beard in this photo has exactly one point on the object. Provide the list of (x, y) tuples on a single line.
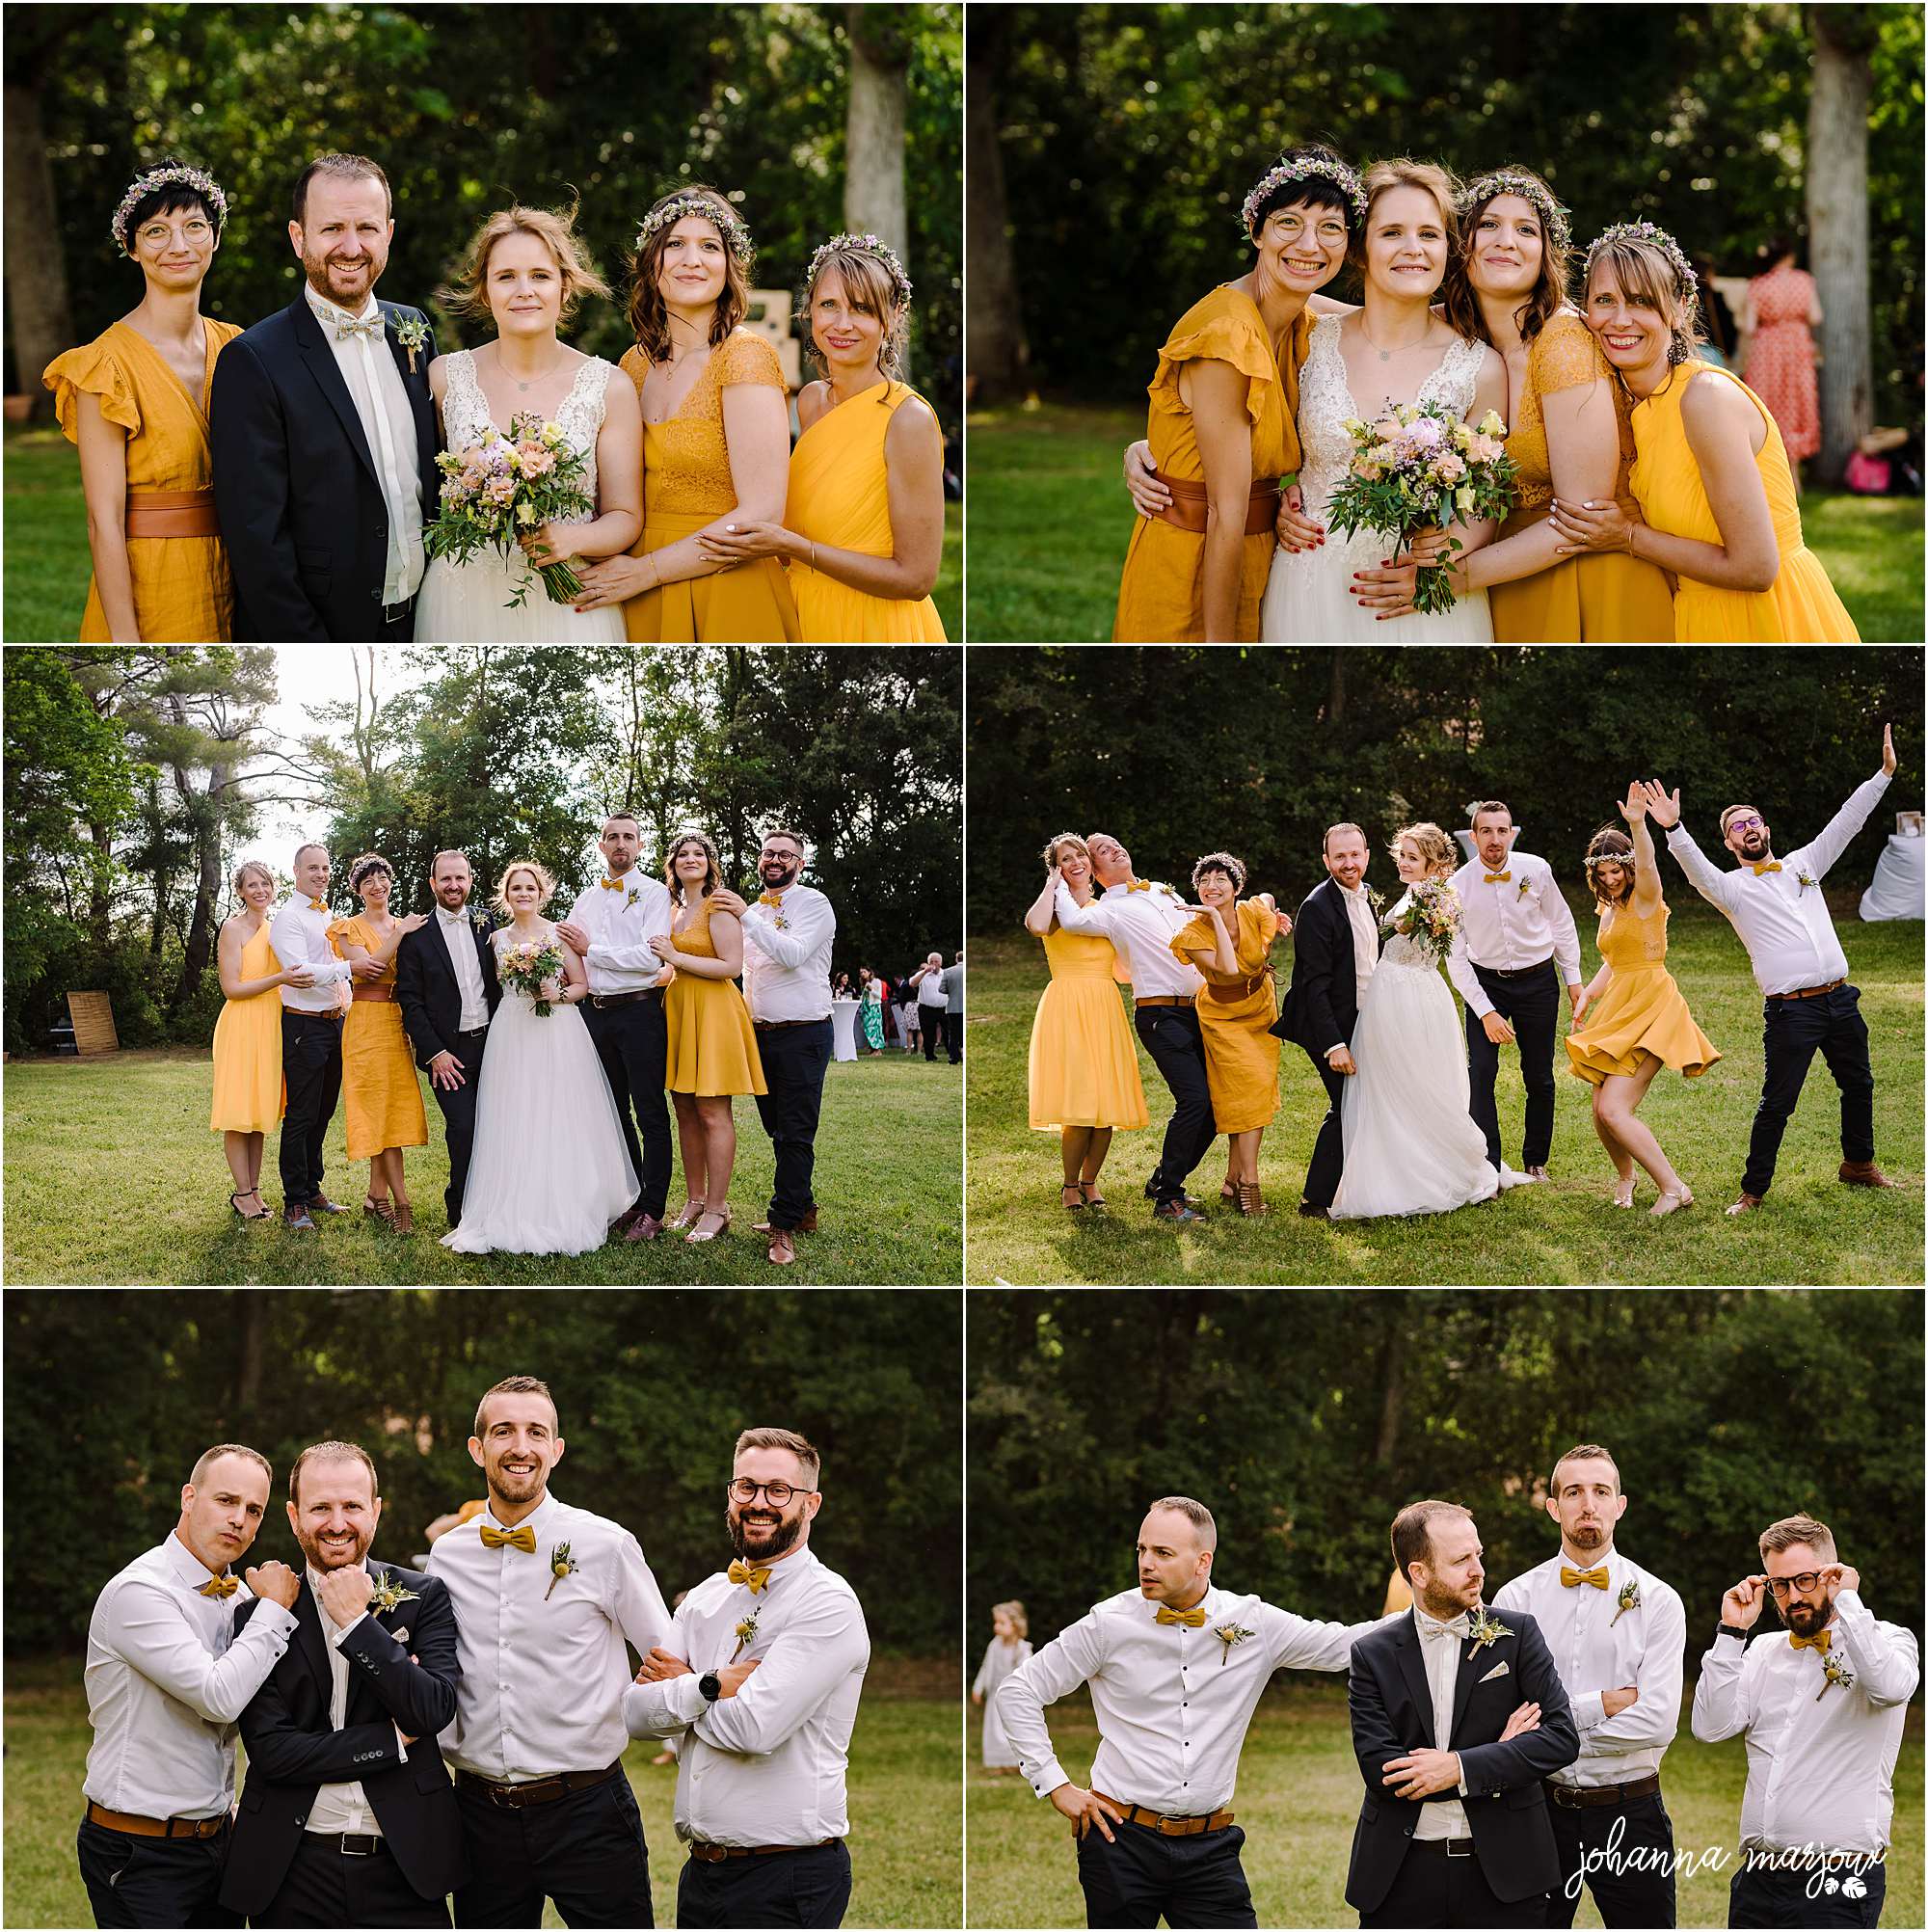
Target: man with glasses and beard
[(1823, 1715), (759, 1796), (544, 1595)]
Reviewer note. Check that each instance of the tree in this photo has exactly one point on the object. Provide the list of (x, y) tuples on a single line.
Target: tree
[(1837, 222), (873, 141), (996, 350)]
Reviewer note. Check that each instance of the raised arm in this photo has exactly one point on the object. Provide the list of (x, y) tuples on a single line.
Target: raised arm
[(1646, 868), (1839, 832), (1723, 1696), (155, 1639), (1044, 907), (1714, 885), (1094, 917)]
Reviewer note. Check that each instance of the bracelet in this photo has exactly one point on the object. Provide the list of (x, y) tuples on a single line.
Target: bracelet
[(1631, 552)]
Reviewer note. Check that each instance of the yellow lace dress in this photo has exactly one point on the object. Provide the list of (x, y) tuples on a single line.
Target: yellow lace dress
[(1084, 1067), (1235, 1015), (1643, 1010)]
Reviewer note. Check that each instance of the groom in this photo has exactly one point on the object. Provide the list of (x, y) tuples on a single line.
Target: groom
[(323, 432)]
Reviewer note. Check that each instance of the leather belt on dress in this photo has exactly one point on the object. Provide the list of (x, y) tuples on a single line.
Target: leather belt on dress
[(156, 1828), (711, 1854), (1190, 502), (372, 992), (777, 1027), (1513, 972), (626, 998), (349, 1844), (172, 513), (1169, 1827), (1168, 1000), (538, 1791), (1575, 1797), (1811, 992)]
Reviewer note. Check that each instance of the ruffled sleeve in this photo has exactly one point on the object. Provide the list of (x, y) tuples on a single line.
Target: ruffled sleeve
[(748, 359), (1224, 327), (345, 933), (1253, 946), (1192, 939), (1564, 356), (96, 371)]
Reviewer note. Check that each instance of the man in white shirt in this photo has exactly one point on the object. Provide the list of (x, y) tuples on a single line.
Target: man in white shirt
[(761, 1762), (1823, 1714), (1777, 908), (1516, 929), (1619, 1638), (932, 1002), (545, 1597), (1176, 1669), (167, 1678)]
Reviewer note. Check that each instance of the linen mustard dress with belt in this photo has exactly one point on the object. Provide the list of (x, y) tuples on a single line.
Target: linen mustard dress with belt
[(1643, 1010), (1083, 1064), (1234, 1016), (711, 1044), (381, 1093), (250, 1093)]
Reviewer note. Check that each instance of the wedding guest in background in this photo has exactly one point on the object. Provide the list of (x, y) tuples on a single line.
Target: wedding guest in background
[(871, 991), (907, 1011), (953, 1009), (1008, 1647), (1781, 311), (135, 403), (928, 979), (840, 988)]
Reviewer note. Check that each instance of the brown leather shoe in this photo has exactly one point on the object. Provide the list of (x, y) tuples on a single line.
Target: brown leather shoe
[(807, 1226), (296, 1216), (1864, 1175), (321, 1204), (782, 1250), (1539, 1173), (645, 1227), (1745, 1205)]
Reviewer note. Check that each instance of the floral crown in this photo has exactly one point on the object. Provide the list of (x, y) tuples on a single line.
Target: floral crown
[(1306, 168), (865, 244), (728, 223), (144, 185), (1506, 181), (1645, 231)]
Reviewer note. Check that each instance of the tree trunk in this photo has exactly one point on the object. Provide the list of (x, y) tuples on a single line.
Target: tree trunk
[(1838, 224), (873, 179), (99, 892), (1335, 689), (39, 313), (997, 358), (207, 889), (1392, 1378), (252, 1320)]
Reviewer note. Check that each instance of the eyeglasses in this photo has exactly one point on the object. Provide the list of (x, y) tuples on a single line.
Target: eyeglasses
[(1782, 1585), (156, 232), (743, 1490), (1742, 824)]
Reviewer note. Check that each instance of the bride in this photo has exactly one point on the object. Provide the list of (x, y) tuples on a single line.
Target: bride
[(550, 1172), (1410, 1143), (525, 272)]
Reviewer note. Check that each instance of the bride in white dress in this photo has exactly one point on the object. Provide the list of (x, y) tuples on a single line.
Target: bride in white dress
[(1410, 1143), (525, 272), (550, 1172), (1395, 349)]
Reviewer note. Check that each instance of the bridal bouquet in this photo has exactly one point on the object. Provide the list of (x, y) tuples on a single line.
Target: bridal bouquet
[(527, 967), (1421, 465), (1430, 915), (504, 485)]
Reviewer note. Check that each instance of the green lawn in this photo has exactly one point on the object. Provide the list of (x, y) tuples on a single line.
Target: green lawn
[(1814, 1230), (113, 1176), (902, 1789), (1050, 521), (1298, 1799)]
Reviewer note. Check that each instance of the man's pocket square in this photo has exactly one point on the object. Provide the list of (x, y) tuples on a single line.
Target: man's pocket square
[(400, 1636), (1497, 1671)]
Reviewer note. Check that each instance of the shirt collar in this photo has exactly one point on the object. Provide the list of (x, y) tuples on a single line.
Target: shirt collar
[(1351, 892), (1424, 1621), (1608, 1556), (448, 918), (326, 312), (187, 1566), (793, 1565), (537, 1518)]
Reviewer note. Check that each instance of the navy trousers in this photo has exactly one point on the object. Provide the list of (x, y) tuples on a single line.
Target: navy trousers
[(136, 1881), (795, 1060), (311, 1066), (632, 1043), (1626, 1892), (807, 1887), (1530, 1002), (1759, 1895), (1146, 1876), (1171, 1036), (1793, 1032), (586, 1851)]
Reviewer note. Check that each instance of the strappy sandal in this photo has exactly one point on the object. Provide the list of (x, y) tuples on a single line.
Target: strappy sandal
[(405, 1218), (234, 1201), (383, 1211), (1229, 1191), (1092, 1198), (1681, 1197), (1250, 1201), (1623, 1193), (720, 1216), (1076, 1190), (687, 1216)]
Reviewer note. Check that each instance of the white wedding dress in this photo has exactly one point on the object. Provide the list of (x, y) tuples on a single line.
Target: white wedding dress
[(1308, 597), (467, 604), (1411, 1145), (550, 1172)]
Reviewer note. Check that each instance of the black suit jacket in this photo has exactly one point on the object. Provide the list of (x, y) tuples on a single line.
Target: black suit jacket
[(1321, 1005), (427, 990), (1506, 1804), (295, 490), (293, 1747)]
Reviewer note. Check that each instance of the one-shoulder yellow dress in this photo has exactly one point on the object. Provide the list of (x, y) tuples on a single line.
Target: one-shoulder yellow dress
[(183, 591), (686, 484), (1643, 1010), (381, 1091), (1800, 607), (712, 1046), (1162, 594), (250, 1093), (1596, 597), (1234, 1016), (1083, 1060), (840, 494)]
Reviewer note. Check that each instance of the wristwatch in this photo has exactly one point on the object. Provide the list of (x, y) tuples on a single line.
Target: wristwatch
[(1731, 1630), (711, 1685)]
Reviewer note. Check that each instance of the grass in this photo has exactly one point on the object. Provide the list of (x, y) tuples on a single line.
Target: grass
[(1297, 1800), (113, 1176), (1050, 522), (902, 1790), (1814, 1230)]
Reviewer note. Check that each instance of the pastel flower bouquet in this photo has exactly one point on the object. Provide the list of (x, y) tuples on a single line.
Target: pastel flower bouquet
[(528, 968), (498, 489), (1430, 915)]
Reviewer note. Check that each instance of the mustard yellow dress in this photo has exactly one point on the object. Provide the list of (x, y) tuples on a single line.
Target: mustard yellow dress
[(183, 591), (249, 1094), (1800, 607), (1234, 1013), (712, 1046), (1642, 1011), (1162, 594), (840, 494), (381, 1094), (1083, 1060), (1595, 599), (686, 484)]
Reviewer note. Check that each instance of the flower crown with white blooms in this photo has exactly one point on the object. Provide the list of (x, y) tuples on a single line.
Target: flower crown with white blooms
[(719, 214), (144, 185), (1504, 181), (1307, 167), (1645, 231), (864, 244)]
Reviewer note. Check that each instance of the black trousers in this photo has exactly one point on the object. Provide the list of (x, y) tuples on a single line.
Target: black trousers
[(632, 1043), (930, 1024), (326, 1886), (1432, 1888), (458, 1118), (1171, 1036), (1146, 1876), (586, 1851), (953, 1037), (795, 1060), (1763, 1897), (1532, 1002), (1328, 1154), (135, 1881), (1791, 1031), (1626, 1890), (311, 1066), (808, 1887)]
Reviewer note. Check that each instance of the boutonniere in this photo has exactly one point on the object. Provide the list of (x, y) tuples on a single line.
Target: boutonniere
[(1229, 1634), (1806, 881), (1484, 1628), (1375, 899), (1525, 886), (411, 333), (1629, 1599), (746, 1635), (560, 1565), (634, 894), (388, 1593), (775, 905), (1833, 1671)]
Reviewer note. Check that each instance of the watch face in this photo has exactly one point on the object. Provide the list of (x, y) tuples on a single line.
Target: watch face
[(710, 1685)]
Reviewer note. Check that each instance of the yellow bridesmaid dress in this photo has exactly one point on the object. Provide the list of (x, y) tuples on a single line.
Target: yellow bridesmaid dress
[(183, 591), (712, 1046), (249, 1094), (381, 1094), (1234, 1015), (1643, 1010), (1595, 599), (840, 496), (686, 485), (1083, 1060), (1800, 607), (1162, 594)]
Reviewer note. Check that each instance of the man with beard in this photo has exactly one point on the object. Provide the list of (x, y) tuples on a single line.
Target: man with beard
[(544, 1595), (1617, 1635), (1776, 908), (323, 432), (348, 1816), (1823, 1715), (759, 1796), (790, 932)]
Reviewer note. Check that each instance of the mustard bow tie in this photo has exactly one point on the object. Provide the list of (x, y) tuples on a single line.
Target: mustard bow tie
[(1597, 1577), (1772, 865), (218, 1586), (1192, 1618), (1819, 1641), (613, 885), (522, 1537), (741, 1573), (317, 905), (1139, 885), (1498, 878), (769, 899), (370, 325)]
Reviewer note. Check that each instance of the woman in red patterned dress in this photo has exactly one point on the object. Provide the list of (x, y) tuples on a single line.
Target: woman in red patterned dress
[(1781, 308)]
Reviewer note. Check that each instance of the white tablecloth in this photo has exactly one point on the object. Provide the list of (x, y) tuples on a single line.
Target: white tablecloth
[(1896, 890), (843, 1029)]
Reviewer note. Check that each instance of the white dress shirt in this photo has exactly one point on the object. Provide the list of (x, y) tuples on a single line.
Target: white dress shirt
[(1365, 926), (1596, 1648), (1820, 1764), (620, 923), (542, 1673), (1783, 924), (299, 937), (765, 1767), (380, 400), (343, 1807), (1508, 925), (786, 965), (930, 989), (167, 1681), (459, 936), (1140, 926), (1173, 1702), (1441, 1646)]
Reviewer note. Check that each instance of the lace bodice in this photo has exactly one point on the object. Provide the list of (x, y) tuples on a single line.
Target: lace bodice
[(464, 410), (1401, 949)]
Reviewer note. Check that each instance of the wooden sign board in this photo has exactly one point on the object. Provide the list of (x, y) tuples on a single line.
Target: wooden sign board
[(93, 1016), (768, 316)]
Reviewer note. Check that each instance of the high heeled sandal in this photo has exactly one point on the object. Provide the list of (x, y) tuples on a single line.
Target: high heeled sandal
[(383, 1211), (1623, 1193), (1092, 1198), (235, 1200), (1681, 1197), (720, 1216), (1250, 1201), (687, 1216), (1076, 1190)]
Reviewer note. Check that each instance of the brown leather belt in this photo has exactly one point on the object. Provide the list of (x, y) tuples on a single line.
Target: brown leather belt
[(1576, 1797), (1171, 1828), (156, 1828), (172, 513), (711, 1854), (1228, 990), (1811, 992), (1190, 502), (539, 1790), (626, 998), (374, 992), (1169, 999), (777, 1027)]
